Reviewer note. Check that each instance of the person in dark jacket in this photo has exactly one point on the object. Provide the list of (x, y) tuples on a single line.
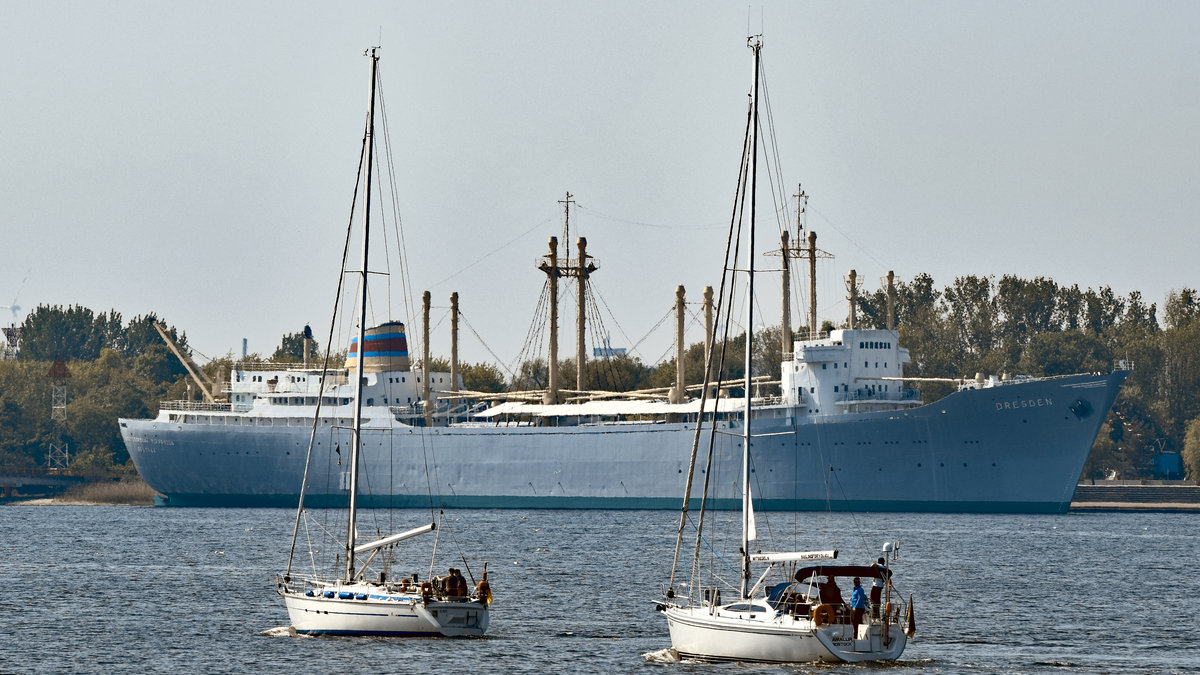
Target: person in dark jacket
[(830, 593)]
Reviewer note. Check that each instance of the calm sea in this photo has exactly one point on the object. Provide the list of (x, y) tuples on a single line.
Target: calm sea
[(129, 589)]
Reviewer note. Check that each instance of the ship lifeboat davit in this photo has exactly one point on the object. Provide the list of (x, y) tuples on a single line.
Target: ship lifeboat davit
[(386, 349)]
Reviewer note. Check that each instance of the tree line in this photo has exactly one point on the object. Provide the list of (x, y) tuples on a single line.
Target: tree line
[(976, 324)]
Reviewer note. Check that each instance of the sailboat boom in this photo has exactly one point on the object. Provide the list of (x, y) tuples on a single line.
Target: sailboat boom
[(395, 538), (791, 556)]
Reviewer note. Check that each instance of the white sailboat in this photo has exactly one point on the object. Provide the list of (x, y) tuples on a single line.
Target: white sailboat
[(361, 599), (788, 615)]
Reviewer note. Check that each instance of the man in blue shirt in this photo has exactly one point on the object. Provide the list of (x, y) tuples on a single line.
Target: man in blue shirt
[(858, 603)]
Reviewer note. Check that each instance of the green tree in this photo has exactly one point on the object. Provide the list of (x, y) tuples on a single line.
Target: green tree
[(1179, 376), (1182, 308), (1068, 307), (1102, 309), (1027, 308), (73, 332), (972, 317), (1191, 449), (532, 374), (1064, 353), (481, 377), (618, 373), (117, 371), (291, 347)]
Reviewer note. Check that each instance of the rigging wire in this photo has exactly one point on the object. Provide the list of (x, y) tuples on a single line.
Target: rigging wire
[(721, 303), (617, 219), (617, 323), (462, 316), (407, 289), (328, 349), (494, 251)]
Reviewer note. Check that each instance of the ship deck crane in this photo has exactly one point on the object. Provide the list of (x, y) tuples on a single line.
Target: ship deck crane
[(207, 386)]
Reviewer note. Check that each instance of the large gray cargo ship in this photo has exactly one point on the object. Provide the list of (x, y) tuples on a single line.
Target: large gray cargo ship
[(845, 433)]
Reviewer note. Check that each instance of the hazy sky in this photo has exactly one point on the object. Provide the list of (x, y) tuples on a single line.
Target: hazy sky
[(197, 159)]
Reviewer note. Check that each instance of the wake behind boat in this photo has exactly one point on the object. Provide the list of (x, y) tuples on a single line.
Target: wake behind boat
[(363, 598)]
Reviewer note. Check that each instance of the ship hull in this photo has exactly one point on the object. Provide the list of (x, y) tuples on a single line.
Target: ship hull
[(1017, 448)]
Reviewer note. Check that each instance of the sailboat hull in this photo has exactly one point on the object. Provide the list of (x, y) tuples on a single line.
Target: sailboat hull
[(769, 637), (384, 615)]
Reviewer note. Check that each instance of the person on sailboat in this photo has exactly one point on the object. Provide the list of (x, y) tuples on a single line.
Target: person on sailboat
[(484, 589), (442, 584), (858, 603), (830, 593), (877, 586), (454, 584)]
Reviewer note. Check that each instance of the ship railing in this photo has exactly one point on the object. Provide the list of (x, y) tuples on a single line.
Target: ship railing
[(199, 406), (267, 366), (809, 336), (882, 396), (1123, 364)]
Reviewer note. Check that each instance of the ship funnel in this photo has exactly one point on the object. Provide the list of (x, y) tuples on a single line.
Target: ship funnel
[(386, 350)]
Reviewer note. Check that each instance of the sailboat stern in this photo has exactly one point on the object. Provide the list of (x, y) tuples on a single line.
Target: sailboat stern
[(871, 643), (456, 619)]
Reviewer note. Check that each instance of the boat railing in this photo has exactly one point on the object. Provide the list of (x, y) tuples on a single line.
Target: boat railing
[(800, 600)]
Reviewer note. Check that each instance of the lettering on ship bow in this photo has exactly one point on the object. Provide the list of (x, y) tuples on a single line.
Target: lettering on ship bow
[(1018, 404)]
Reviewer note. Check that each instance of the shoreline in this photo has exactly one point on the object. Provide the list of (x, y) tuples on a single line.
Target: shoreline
[(1076, 507), (57, 501), (1172, 507)]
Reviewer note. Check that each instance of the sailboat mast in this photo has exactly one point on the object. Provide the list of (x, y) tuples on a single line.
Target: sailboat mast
[(368, 148), (755, 43)]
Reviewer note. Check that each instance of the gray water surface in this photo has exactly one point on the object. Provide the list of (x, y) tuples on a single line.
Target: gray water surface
[(94, 589)]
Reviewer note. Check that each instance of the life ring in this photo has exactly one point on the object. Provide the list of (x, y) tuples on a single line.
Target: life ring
[(887, 610), (823, 614)]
